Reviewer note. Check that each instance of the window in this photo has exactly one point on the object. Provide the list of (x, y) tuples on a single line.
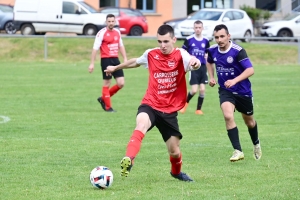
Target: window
[(113, 11), (238, 15), (104, 3), (70, 8), (229, 15), (146, 5)]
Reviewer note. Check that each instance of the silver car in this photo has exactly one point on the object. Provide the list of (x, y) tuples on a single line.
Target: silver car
[(6, 18)]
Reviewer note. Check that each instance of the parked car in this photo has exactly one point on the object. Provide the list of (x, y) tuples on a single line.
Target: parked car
[(288, 27), (238, 22), (72, 16), (175, 21), (131, 21), (6, 19)]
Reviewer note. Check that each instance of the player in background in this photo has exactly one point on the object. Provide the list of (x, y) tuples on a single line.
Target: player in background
[(196, 45), (165, 95), (109, 41), (233, 69)]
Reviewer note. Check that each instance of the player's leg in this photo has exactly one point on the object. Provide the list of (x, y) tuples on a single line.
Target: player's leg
[(104, 100), (194, 87), (227, 102), (143, 124), (169, 129), (203, 79), (245, 106), (119, 76)]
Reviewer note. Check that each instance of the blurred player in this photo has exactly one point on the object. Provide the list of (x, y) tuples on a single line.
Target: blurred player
[(233, 69), (196, 45), (109, 41)]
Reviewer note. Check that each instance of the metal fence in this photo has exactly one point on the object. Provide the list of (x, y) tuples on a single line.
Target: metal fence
[(285, 40)]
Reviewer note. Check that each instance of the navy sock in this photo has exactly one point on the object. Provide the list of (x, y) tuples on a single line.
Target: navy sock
[(233, 135), (254, 134)]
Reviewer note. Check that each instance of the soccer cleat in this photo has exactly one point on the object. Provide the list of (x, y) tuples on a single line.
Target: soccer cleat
[(126, 165), (110, 110), (257, 153), (199, 112), (101, 103), (182, 176), (237, 155), (184, 108)]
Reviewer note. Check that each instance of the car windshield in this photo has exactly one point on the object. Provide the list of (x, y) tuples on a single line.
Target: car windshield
[(88, 7), (6, 8), (291, 16), (206, 15)]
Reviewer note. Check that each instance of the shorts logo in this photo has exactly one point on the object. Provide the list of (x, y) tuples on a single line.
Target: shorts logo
[(229, 59)]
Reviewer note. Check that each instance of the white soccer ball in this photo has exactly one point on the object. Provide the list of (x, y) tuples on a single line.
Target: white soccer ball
[(101, 177)]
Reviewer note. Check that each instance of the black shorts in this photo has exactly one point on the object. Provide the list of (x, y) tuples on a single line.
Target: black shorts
[(242, 103), (166, 123), (111, 61), (199, 76)]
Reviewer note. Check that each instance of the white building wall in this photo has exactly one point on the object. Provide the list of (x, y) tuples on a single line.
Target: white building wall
[(238, 3), (179, 8)]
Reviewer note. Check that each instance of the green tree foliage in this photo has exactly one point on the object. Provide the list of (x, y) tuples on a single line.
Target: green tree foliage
[(256, 13)]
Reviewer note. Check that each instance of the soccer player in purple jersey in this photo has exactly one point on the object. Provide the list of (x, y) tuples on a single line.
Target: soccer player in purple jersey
[(197, 46), (233, 69)]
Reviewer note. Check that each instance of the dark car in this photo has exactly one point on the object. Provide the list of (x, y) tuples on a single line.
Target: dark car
[(173, 22), (6, 18), (131, 21)]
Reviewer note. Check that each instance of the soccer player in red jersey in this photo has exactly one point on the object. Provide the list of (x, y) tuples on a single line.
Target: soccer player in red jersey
[(166, 94), (109, 41)]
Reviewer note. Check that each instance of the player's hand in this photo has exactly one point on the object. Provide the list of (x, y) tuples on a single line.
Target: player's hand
[(110, 69), (194, 62), (212, 82), (229, 83), (91, 68)]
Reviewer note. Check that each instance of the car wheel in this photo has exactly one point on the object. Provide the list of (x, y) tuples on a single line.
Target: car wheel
[(285, 33), (136, 31), (27, 29), (247, 37), (90, 30), (10, 28)]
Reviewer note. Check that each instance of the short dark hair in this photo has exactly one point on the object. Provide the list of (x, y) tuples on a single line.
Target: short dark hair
[(221, 26), (198, 22), (110, 15), (165, 29)]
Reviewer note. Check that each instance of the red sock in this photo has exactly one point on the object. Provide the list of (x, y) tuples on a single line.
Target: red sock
[(176, 165), (106, 97), (134, 144), (113, 90)]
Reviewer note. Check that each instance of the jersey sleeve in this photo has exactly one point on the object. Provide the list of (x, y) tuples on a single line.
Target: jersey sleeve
[(98, 40), (186, 57), (243, 59), (143, 60), (209, 57), (185, 44), (207, 46)]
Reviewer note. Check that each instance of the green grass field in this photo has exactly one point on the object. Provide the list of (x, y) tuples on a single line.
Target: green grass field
[(58, 132)]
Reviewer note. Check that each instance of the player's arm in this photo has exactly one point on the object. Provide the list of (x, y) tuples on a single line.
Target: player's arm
[(123, 53), (248, 69), (122, 49), (97, 44), (210, 70), (131, 63)]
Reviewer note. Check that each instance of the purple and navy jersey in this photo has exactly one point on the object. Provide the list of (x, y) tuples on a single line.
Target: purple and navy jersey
[(230, 64), (196, 47)]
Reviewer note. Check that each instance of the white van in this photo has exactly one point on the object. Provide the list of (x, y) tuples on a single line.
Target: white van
[(71, 16)]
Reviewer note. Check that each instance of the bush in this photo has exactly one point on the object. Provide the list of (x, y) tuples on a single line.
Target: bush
[(256, 13)]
